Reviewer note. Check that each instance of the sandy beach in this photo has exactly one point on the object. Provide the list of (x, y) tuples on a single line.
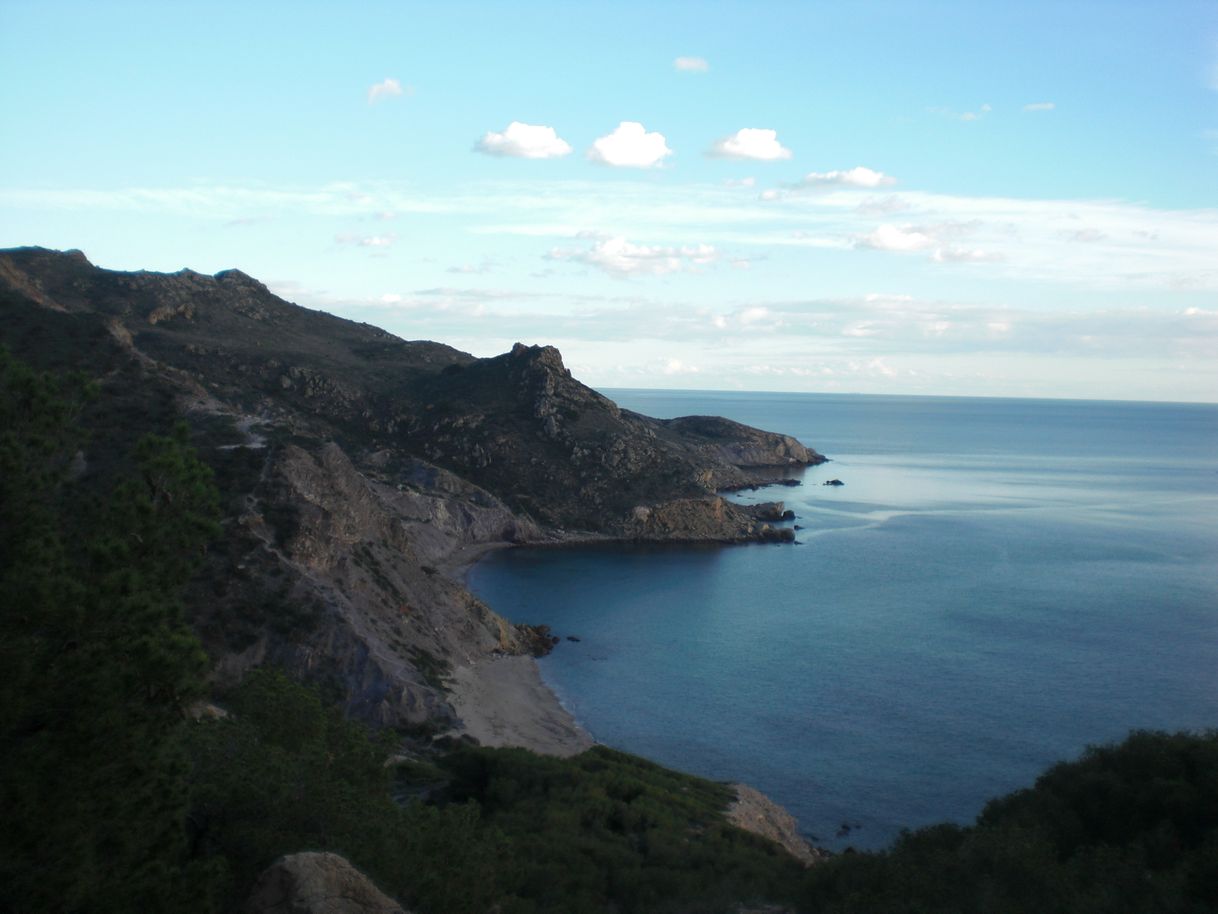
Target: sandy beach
[(502, 701)]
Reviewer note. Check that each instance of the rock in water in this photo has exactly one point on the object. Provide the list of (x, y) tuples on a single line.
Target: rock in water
[(317, 883)]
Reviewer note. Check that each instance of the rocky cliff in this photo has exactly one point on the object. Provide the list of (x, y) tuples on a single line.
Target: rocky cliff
[(359, 469)]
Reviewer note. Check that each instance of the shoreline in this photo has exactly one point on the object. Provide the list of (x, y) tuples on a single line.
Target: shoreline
[(500, 699), (503, 702)]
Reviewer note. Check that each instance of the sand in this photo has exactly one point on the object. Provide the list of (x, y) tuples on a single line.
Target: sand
[(502, 701)]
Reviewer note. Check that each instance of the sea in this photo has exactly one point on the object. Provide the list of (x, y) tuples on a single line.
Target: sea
[(997, 584)]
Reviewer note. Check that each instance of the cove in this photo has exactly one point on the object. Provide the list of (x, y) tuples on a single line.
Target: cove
[(997, 584)]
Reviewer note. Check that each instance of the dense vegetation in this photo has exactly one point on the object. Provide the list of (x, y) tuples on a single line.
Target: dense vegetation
[(477, 826), (1132, 827), (115, 799), (96, 661)]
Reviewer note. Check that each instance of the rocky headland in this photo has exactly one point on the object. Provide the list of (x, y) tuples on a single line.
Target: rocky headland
[(362, 473)]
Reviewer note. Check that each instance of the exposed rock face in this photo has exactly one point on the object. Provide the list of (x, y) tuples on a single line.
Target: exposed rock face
[(359, 469), (739, 445), (754, 811), (317, 883)]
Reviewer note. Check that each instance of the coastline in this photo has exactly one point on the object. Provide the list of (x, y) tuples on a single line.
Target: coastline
[(502, 701)]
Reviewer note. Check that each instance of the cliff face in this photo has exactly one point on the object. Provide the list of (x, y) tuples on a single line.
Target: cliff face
[(357, 468)]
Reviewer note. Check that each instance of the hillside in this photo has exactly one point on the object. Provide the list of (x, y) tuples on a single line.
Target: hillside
[(359, 470)]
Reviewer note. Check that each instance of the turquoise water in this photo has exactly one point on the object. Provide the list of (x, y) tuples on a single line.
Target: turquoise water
[(998, 584)]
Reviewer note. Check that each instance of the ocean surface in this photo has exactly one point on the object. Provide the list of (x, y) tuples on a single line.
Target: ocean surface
[(998, 584)]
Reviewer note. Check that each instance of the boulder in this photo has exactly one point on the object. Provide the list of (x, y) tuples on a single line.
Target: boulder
[(755, 812), (317, 883)]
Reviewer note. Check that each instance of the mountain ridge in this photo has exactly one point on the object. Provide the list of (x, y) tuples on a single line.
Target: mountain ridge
[(360, 469)]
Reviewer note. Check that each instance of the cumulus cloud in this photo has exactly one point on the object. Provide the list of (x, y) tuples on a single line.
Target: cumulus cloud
[(691, 64), (890, 237), (630, 146), (386, 88), (1039, 106), (524, 141), (621, 258), (944, 237), (754, 143), (859, 176)]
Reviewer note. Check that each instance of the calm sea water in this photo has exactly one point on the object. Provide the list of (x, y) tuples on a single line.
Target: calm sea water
[(998, 584)]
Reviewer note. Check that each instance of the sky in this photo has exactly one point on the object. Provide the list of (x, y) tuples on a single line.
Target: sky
[(876, 197)]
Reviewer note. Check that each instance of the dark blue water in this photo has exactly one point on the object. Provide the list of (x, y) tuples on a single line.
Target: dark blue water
[(998, 584)]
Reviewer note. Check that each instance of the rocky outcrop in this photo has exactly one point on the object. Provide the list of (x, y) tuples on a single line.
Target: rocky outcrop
[(740, 445), (385, 624), (317, 883), (712, 519), (755, 812), (359, 470)]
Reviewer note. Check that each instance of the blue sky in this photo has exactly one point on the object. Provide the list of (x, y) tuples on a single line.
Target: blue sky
[(925, 198)]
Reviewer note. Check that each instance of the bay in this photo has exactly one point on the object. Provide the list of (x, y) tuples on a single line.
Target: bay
[(998, 584)]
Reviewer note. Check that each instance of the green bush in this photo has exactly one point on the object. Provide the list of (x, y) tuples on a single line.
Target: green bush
[(285, 772), (1130, 827)]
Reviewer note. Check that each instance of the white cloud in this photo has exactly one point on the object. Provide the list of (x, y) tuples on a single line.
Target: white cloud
[(386, 88), (619, 257), (1085, 236), (890, 204), (1039, 106), (965, 255), (940, 235), (740, 182), (691, 64), (875, 366), (754, 143), (676, 366), (630, 146), (524, 141), (1142, 248), (470, 269), (858, 176), (890, 237), (366, 241)]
